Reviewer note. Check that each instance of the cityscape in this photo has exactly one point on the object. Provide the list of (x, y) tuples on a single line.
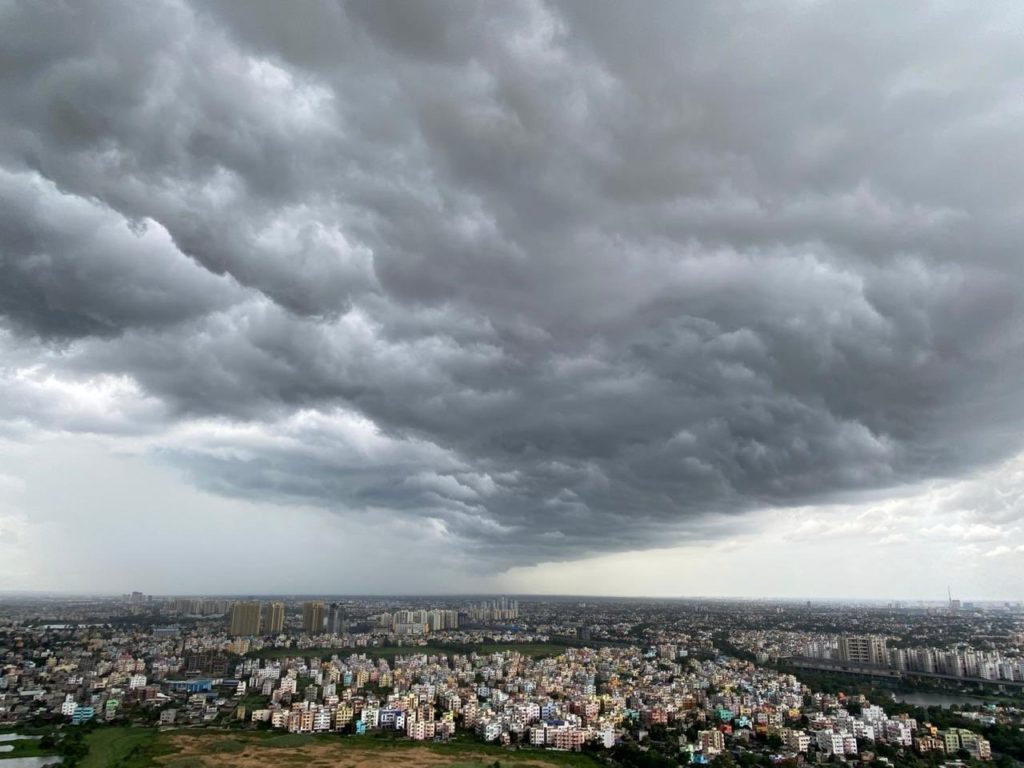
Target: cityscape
[(511, 384), (618, 682)]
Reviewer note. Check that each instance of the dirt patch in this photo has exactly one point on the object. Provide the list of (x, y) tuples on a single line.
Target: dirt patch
[(206, 752)]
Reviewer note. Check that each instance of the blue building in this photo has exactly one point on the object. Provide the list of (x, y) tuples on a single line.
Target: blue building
[(191, 686)]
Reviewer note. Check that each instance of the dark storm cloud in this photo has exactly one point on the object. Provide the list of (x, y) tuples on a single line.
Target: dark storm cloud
[(594, 275), (71, 267)]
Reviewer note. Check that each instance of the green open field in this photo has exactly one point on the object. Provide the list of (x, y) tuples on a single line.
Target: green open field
[(536, 650), (120, 747)]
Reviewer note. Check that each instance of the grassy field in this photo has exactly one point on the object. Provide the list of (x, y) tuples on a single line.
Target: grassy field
[(253, 701), (120, 747), (536, 650)]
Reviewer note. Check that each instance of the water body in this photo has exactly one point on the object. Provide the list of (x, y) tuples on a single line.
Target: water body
[(937, 699), (24, 762)]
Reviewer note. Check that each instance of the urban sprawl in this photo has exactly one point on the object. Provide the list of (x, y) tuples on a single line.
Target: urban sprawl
[(682, 681)]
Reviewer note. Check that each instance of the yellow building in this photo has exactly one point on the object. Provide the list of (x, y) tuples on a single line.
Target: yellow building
[(245, 619), (313, 617), (274, 623)]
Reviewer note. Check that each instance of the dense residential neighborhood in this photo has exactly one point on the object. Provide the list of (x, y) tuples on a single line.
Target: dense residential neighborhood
[(509, 677)]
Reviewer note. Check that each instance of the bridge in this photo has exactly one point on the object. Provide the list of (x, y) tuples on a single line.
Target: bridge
[(824, 665)]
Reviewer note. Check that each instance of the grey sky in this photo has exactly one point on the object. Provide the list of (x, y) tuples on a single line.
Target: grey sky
[(515, 285)]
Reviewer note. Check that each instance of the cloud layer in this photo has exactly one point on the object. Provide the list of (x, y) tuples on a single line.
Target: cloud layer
[(549, 279)]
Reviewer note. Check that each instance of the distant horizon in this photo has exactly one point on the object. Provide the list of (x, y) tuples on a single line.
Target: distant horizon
[(520, 595)]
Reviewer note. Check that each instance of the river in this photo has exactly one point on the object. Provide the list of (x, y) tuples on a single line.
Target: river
[(23, 762)]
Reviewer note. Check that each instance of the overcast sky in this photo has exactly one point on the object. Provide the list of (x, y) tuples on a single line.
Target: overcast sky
[(670, 298)]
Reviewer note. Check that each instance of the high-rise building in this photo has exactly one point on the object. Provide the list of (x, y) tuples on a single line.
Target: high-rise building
[(335, 619), (273, 622), (411, 622), (443, 619), (502, 609), (245, 619), (313, 617), (870, 650)]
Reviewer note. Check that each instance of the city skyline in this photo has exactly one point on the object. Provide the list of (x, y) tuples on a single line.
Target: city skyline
[(627, 683), (877, 601), (538, 297)]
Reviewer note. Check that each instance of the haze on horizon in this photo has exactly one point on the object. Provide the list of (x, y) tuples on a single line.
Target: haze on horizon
[(573, 298)]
